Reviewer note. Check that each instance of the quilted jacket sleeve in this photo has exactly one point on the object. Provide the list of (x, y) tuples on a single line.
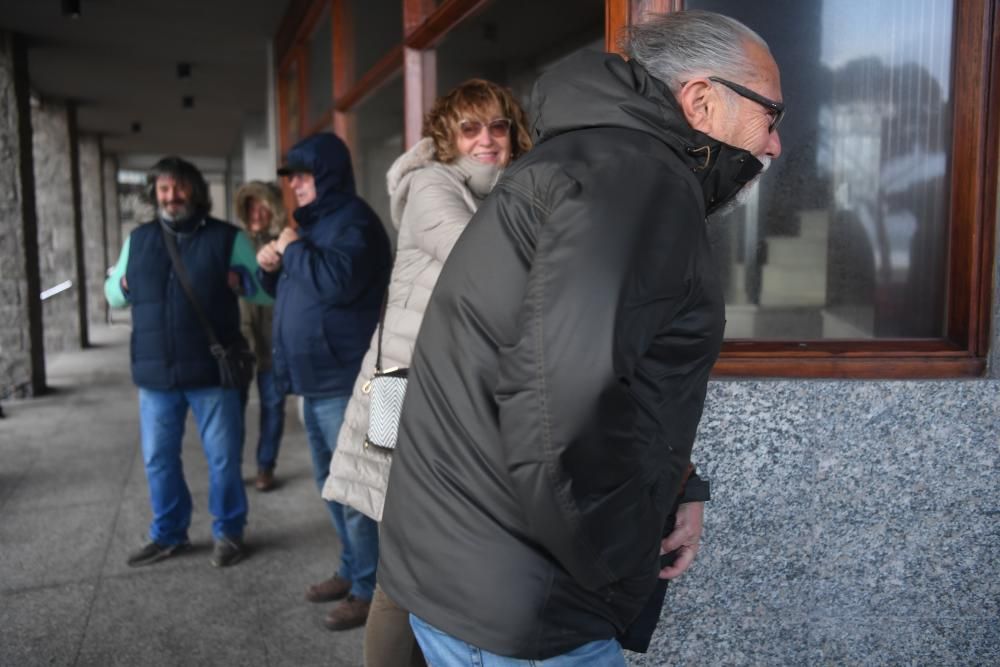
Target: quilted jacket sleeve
[(335, 268)]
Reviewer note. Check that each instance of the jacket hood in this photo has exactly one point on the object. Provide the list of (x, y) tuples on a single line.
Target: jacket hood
[(477, 177), (591, 89), (266, 192), (328, 160), (400, 174)]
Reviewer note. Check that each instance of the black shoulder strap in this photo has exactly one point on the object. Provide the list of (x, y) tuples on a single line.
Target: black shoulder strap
[(170, 240), (381, 328)]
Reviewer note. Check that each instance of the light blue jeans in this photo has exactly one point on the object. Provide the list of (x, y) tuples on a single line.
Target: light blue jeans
[(443, 650), (219, 416), (358, 534)]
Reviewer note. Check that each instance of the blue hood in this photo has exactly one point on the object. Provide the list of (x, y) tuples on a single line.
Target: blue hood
[(329, 161)]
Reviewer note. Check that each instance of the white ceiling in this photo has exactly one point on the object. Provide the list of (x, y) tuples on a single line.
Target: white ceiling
[(119, 62)]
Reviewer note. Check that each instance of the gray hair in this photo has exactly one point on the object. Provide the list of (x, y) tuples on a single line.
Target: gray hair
[(680, 46)]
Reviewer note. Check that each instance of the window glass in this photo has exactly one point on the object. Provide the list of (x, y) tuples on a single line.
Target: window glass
[(378, 131), (320, 69), (290, 85), (378, 27), (514, 41), (846, 236)]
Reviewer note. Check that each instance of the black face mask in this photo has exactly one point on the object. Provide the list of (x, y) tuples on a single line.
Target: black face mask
[(726, 170)]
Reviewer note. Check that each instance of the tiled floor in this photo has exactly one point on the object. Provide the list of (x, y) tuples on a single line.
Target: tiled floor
[(73, 503)]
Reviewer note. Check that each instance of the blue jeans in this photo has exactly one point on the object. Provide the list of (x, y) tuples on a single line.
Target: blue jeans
[(272, 418), (442, 649), (358, 534), (220, 423)]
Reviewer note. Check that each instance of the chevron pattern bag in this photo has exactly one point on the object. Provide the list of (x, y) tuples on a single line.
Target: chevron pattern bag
[(386, 391)]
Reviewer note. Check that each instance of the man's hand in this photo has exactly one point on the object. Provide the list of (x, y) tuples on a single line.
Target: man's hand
[(124, 284), (268, 258), (685, 537), (233, 279), (287, 236)]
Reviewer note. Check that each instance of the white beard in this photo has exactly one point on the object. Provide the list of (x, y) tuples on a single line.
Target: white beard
[(743, 195)]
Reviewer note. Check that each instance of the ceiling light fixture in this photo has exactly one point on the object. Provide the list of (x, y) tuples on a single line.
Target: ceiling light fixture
[(183, 70), (187, 102), (71, 8)]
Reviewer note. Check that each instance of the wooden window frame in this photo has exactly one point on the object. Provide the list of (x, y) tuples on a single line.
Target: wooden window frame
[(424, 25), (294, 57), (972, 214)]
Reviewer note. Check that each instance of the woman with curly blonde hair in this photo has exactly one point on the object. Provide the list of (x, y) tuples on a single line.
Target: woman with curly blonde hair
[(470, 135)]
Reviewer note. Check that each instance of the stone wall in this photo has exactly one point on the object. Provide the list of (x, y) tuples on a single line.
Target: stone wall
[(15, 345), (853, 523), (112, 216), (54, 202), (95, 261)]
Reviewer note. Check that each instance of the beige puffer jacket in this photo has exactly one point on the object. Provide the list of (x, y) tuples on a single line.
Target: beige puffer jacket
[(431, 203)]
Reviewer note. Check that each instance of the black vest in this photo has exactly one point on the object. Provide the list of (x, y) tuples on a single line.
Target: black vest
[(169, 347)]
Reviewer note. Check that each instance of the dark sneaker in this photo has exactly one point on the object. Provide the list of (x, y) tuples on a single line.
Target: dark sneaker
[(155, 552), (351, 613), (227, 551), (265, 479), (328, 590)]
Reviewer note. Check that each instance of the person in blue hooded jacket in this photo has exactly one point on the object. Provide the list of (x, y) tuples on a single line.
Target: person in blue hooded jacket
[(329, 278)]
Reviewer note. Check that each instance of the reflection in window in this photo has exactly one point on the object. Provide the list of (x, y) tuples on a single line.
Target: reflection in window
[(290, 82), (514, 41), (378, 142), (378, 27), (320, 69), (846, 237)]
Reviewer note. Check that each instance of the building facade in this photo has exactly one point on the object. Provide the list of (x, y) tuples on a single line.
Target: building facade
[(852, 429)]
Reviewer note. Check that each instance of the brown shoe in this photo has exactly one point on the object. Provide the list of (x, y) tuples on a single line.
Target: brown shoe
[(265, 479), (351, 613), (328, 590)]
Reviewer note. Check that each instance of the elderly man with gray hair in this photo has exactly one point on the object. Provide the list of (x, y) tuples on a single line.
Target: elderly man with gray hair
[(543, 461)]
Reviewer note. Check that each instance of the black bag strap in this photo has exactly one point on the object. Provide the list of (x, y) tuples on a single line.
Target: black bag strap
[(381, 328), (170, 240)]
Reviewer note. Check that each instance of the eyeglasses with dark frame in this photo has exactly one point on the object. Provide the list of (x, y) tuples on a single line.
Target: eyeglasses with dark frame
[(498, 128), (777, 108)]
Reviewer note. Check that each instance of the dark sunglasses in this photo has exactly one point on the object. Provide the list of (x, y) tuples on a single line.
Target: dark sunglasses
[(499, 128), (777, 109)]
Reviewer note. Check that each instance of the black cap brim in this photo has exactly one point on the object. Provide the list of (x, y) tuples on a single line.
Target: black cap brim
[(292, 168)]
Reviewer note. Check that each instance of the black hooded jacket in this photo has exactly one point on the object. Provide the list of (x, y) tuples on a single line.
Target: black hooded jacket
[(560, 373)]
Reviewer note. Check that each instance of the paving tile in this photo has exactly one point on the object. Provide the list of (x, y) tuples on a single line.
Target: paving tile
[(72, 479), (44, 626), (49, 546), (195, 616)]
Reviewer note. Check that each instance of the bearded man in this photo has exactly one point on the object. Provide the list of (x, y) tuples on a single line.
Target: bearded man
[(172, 363)]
